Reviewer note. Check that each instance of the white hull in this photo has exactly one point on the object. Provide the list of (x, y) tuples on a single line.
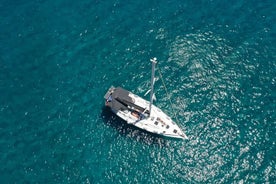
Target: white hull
[(135, 111)]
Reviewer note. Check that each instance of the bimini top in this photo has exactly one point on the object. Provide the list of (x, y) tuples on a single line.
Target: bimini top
[(118, 99)]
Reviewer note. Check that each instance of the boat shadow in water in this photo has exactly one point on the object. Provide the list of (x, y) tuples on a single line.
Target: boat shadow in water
[(131, 131)]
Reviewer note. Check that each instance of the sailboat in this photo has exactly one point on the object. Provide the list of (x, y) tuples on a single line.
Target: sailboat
[(141, 113)]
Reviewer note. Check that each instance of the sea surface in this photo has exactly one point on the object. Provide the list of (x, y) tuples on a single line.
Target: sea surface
[(59, 57)]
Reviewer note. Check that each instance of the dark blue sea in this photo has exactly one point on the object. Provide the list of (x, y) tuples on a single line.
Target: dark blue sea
[(59, 57)]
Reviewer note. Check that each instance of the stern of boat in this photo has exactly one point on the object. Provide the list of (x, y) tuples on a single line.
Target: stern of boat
[(109, 92)]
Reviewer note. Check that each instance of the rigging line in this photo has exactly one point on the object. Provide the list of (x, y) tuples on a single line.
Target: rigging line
[(167, 93)]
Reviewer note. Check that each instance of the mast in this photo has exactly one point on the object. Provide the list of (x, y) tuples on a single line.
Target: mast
[(153, 61)]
